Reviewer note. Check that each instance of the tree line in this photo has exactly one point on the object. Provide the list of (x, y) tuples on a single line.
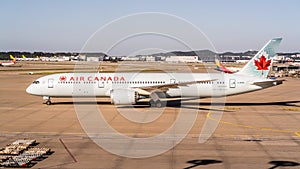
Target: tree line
[(6, 55)]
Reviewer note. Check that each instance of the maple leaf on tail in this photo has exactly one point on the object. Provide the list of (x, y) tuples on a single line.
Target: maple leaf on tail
[(262, 63)]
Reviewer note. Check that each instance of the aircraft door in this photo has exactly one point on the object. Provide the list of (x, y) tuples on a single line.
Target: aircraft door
[(232, 83), (172, 81), (101, 84), (50, 83)]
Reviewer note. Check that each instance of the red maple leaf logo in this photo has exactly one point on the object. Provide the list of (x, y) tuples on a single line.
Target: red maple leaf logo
[(262, 63), (62, 78)]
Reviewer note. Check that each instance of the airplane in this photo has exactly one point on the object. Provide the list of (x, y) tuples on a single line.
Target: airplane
[(37, 58), (130, 87), (13, 61), (220, 67), (23, 58)]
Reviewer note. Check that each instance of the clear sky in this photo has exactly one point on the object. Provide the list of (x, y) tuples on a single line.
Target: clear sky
[(65, 25)]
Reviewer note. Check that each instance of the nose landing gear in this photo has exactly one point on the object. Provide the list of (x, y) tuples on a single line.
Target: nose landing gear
[(47, 100)]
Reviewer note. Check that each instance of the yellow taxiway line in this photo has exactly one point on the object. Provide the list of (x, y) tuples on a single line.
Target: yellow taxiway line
[(208, 115)]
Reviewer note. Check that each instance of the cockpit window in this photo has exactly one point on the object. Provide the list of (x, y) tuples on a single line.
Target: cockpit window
[(36, 82)]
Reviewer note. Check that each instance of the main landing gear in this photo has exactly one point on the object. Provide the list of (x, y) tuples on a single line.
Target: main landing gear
[(47, 100), (157, 103), (155, 99)]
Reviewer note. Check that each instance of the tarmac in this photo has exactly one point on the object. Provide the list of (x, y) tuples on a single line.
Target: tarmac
[(257, 130)]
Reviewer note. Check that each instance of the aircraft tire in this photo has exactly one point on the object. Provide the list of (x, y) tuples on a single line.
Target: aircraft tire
[(48, 102), (157, 103)]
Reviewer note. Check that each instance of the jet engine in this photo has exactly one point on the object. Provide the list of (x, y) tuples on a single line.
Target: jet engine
[(123, 96)]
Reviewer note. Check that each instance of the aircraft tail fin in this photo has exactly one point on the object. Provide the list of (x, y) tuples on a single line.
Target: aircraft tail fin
[(23, 56), (260, 64), (221, 67), (218, 65), (12, 57)]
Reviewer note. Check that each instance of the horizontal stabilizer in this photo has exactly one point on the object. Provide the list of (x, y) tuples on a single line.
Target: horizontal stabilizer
[(269, 83)]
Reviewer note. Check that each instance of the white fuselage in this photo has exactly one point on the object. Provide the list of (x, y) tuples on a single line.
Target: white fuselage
[(7, 63), (101, 84), (128, 88)]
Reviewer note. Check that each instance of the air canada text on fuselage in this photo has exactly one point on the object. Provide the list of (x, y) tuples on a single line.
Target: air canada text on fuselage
[(91, 78)]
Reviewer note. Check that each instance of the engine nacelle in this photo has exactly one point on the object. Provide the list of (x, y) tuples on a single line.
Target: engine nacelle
[(123, 96)]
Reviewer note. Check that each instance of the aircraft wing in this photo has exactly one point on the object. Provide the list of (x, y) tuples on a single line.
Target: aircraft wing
[(146, 90), (269, 83)]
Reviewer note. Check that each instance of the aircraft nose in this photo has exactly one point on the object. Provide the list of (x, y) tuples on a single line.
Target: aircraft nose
[(29, 89)]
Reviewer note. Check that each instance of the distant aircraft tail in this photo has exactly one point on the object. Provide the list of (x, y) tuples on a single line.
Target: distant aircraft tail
[(218, 64), (23, 56), (221, 67), (260, 64), (11, 57)]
